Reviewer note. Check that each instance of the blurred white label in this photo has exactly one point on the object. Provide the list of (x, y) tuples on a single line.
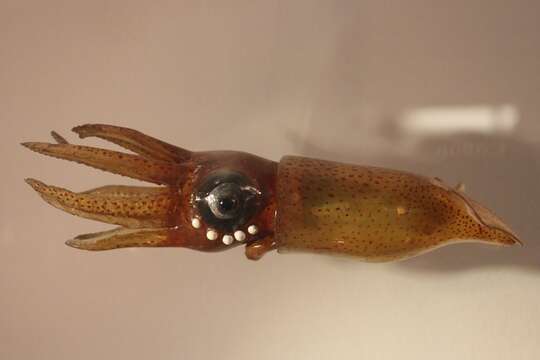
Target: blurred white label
[(447, 120)]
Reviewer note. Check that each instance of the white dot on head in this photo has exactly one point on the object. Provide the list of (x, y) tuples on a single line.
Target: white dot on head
[(211, 235), (196, 223), (253, 229), (227, 239), (240, 235)]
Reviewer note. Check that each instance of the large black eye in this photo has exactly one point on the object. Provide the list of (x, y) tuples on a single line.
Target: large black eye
[(226, 200)]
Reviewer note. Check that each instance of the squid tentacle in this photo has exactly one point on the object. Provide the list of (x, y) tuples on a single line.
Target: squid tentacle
[(134, 166), (135, 141), (124, 191), (128, 207), (120, 238), (58, 138)]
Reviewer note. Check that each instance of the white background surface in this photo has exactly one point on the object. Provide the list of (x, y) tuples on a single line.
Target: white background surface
[(330, 79)]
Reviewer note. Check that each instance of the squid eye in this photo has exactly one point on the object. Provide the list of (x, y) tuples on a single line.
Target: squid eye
[(226, 200)]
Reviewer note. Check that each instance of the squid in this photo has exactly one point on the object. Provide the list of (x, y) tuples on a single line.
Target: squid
[(216, 200)]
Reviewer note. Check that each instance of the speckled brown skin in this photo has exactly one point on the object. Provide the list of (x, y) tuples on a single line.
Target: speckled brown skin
[(373, 213), (306, 204)]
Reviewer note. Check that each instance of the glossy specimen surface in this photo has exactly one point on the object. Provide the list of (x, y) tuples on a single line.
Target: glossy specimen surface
[(216, 200), (374, 213)]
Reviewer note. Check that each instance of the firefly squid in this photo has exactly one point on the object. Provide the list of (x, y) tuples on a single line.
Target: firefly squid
[(215, 200)]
